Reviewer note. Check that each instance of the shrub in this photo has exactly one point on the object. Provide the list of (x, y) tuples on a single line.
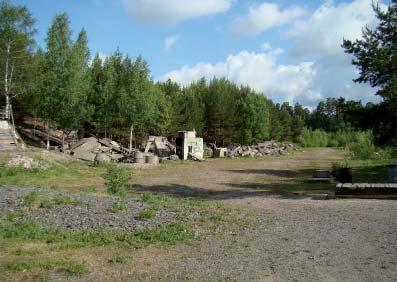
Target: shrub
[(362, 146), (116, 178), (313, 138), (119, 207)]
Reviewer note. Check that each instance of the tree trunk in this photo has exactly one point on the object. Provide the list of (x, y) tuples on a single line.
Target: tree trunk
[(131, 130), (6, 86), (48, 137), (63, 141)]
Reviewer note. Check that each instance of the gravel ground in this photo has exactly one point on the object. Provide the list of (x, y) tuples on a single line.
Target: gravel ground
[(291, 240), (93, 212)]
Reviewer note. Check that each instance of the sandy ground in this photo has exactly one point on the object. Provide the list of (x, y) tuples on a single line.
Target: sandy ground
[(292, 238)]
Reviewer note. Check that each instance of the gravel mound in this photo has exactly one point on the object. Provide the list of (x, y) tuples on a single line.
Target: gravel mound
[(90, 212)]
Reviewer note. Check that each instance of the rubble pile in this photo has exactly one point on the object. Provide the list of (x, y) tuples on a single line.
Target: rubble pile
[(26, 162), (262, 149), (100, 150)]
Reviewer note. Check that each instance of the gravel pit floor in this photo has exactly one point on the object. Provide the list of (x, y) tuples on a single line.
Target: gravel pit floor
[(81, 211)]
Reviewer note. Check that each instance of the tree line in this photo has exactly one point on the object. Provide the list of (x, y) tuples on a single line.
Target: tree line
[(116, 96)]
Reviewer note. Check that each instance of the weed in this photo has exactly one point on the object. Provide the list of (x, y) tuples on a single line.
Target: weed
[(171, 233), (119, 207), (116, 177), (152, 198), (31, 198), (90, 189), (22, 265), (146, 214), (21, 251), (48, 203), (118, 259), (54, 187), (75, 269)]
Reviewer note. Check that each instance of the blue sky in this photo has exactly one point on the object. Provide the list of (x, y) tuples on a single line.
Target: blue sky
[(289, 50)]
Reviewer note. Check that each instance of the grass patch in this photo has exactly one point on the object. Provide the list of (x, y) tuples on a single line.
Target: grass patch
[(64, 174), (30, 199), (118, 259), (33, 200), (74, 269), (146, 214), (28, 230), (119, 207), (24, 265)]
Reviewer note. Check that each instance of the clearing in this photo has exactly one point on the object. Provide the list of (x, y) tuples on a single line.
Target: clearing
[(270, 228)]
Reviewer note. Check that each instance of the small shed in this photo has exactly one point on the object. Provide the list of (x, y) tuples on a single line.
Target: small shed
[(187, 143)]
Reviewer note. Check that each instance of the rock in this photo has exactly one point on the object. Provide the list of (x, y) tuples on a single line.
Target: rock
[(25, 162), (102, 158)]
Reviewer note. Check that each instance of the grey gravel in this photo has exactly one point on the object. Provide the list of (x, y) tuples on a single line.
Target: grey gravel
[(297, 240), (94, 212)]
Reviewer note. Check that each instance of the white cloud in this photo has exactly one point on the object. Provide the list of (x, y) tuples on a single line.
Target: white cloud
[(266, 47), (261, 72), (170, 41), (322, 33), (263, 17), (173, 11)]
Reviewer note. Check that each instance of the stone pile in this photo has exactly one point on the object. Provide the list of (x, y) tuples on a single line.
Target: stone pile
[(266, 148)]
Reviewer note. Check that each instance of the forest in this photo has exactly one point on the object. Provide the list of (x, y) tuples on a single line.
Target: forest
[(71, 89)]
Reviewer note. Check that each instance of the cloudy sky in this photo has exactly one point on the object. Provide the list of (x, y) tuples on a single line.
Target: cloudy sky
[(289, 50)]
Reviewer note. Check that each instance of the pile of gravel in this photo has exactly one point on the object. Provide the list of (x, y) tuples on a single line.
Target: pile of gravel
[(92, 212)]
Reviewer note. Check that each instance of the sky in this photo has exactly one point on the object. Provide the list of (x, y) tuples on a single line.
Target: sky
[(288, 50)]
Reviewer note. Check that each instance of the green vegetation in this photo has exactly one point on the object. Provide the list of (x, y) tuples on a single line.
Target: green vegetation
[(118, 259), (375, 58), (31, 198), (49, 202), (74, 269), (65, 174), (146, 214), (359, 145), (116, 178), (119, 207)]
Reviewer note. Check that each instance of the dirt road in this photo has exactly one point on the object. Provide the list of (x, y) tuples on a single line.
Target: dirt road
[(292, 238)]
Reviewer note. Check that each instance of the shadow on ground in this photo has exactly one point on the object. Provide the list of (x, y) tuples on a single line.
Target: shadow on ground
[(275, 172), (238, 191)]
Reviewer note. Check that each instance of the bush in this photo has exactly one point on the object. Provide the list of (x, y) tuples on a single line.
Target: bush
[(116, 178), (362, 147), (313, 138)]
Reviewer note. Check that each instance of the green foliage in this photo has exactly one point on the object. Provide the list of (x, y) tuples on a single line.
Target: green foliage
[(48, 203), (313, 138), (172, 233), (116, 178), (146, 214), (375, 56), (32, 230), (74, 269), (16, 42), (31, 198), (119, 207)]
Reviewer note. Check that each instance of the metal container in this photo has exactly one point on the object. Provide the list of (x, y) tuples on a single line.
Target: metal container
[(392, 173)]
